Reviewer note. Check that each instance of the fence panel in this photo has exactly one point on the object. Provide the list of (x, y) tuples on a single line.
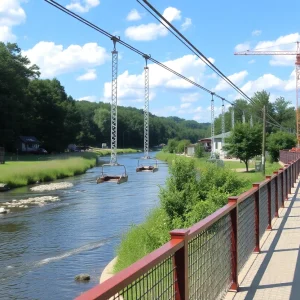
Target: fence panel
[(157, 283), (210, 261), (273, 198), (263, 209), (246, 231), (279, 190)]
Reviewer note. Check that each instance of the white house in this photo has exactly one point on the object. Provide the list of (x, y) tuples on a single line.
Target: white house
[(218, 144)]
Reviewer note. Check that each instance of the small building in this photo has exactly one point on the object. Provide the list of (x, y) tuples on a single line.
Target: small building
[(190, 150), (27, 144), (206, 143), (218, 144)]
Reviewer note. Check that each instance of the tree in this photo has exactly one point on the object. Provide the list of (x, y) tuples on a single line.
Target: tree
[(244, 142), (199, 151), (278, 141), (15, 75)]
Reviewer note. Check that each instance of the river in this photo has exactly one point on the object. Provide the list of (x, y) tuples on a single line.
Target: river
[(42, 248)]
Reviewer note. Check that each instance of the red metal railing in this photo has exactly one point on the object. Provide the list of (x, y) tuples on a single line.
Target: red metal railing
[(205, 260)]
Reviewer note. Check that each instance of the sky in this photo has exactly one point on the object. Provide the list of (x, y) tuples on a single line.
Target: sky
[(80, 57)]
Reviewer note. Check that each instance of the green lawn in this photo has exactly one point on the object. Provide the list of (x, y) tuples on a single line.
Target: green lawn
[(30, 168)]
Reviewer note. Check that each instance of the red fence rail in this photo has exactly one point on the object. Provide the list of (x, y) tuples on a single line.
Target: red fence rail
[(204, 261)]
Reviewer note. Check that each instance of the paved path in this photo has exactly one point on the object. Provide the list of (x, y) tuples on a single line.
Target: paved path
[(275, 272)]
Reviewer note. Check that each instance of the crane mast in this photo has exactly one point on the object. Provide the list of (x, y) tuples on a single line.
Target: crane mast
[(297, 70)]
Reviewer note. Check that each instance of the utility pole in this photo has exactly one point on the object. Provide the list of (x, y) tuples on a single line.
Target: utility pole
[(263, 157)]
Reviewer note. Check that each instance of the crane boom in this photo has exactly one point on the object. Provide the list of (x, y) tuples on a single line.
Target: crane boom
[(297, 69), (253, 52)]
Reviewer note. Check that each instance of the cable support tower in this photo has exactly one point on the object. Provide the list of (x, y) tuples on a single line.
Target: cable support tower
[(212, 152), (146, 110), (243, 118), (172, 29), (114, 104), (223, 122), (232, 117), (107, 34), (251, 121)]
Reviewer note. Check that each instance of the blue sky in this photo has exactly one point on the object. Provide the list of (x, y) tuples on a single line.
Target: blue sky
[(81, 57)]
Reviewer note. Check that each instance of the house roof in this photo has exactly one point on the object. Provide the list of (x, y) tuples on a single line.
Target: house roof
[(28, 139), (219, 136)]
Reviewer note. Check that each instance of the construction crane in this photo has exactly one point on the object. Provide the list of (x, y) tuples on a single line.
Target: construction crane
[(297, 67)]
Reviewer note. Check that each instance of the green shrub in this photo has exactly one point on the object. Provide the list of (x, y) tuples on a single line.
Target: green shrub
[(199, 151), (143, 239)]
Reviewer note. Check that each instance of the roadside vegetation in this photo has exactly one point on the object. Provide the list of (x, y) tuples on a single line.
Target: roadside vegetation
[(48, 168), (184, 200)]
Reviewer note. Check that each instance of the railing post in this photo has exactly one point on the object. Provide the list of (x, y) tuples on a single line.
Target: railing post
[(282, 193), (269, 203), (234, 248), (256, 213), (181, 261), (276, 193), (286, 196)]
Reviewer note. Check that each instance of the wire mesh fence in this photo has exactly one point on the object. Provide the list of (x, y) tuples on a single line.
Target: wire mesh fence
[(210, 261), (246, 231), (279, 189), (157, 283), (273, 198), (263, 210)]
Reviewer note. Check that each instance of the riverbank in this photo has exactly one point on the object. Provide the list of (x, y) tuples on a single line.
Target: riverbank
[(29, 169), (26, 171), (236, 166)]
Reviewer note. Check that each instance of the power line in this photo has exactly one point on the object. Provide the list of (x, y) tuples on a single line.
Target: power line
[(197, 52), (118, 40)]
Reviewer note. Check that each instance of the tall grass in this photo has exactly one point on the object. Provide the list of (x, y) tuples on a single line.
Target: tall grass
[(105, 152), (21, 173)]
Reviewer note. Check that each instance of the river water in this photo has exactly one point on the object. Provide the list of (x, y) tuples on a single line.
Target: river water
[(42, 248)]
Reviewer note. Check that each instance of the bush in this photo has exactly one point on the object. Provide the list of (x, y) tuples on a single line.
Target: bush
[(182, 144), (199, 151), (172, 145), (278, 141), (143, 239)]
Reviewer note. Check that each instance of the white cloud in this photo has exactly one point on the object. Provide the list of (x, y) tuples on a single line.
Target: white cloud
[(130, 86), (186, 24), (89, 98), (6, 34), (252, 61), (89, 75), (133, 15), (54, 60), (236, 78), (242, 47), (185, 105), (256, 32), (11, 14), (193, 97), (152, 31), (270, 82), (82, 6)]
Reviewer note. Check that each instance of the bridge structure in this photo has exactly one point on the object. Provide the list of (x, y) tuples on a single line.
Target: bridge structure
[(247, 249)]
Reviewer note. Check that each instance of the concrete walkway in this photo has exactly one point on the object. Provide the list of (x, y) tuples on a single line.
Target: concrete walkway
[(275, 272)]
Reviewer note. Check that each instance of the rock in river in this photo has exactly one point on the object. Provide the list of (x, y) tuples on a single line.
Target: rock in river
[(82, 277), (3, 210)]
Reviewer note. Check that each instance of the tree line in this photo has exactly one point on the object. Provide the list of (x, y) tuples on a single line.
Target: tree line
[(280, 110), (31, 106)]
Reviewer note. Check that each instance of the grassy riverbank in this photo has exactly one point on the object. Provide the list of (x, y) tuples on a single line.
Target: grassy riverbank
[(28, 169), (250, 176)]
